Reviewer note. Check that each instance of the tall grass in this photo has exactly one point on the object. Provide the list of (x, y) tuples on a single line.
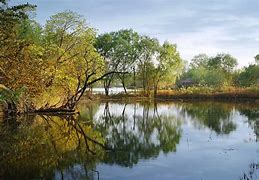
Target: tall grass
[(214, 92)]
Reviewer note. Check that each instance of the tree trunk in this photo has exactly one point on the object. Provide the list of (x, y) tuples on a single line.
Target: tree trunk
[(155, 91), (144, 84), (107, 84), (134, 81), (124, 86), (106, 89), (156, 88)]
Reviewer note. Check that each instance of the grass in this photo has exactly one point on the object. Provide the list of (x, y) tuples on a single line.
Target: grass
[(194, 93), (221, 93)]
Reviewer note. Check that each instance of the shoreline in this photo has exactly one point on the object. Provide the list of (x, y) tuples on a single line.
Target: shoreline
[(218, 97)]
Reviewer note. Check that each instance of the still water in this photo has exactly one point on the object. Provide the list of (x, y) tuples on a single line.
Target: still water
[(203, 140)]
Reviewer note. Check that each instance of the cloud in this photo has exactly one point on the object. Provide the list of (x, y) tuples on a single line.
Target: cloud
[(197, 26)]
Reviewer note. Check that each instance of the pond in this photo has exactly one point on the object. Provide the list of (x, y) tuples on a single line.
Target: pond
[(115, 140)]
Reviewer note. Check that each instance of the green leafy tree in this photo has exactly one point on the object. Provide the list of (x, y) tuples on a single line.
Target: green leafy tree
[(120, 51), (249, 76), (104, 45), (128, 53), (149, 48), (169, 66), (200, 60), (211, 71), (223, 61)]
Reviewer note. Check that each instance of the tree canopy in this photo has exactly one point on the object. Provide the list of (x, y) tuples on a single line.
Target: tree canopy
[(211, 71)]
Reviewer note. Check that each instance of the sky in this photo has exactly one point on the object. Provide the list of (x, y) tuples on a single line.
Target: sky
[(196, 26)]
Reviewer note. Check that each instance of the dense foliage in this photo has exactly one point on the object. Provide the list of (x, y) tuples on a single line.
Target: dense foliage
[(55, 63), (218, 71), (211, 71), (140, 57)]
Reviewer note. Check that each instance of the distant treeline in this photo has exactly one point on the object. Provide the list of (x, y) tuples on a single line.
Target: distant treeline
[(220, 70)]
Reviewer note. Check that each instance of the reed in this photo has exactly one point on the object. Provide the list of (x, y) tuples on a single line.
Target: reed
[(193, 93)]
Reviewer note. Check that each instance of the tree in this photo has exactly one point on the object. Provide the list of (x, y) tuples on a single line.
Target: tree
[(169, 66), (73, 62), (128, 53), (104, 45), (211, 71), (249, 76), (19, 58), (55, 64), (148, 48), (200, 60), (223, 61), (203, 76), (120, 52)]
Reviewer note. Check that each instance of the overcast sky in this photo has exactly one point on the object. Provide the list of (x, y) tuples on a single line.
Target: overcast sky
[(196, 26)]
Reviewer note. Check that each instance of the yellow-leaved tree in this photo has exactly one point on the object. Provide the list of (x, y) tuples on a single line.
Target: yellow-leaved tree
[(72, 62)]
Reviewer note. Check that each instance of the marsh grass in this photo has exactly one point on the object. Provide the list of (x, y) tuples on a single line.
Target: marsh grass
[(193, 93)]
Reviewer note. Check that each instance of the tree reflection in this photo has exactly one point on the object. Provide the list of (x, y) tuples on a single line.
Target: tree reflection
[(252, 115), (137, 136), (48, 147), (65, 146), (252, 172), (216, 116)]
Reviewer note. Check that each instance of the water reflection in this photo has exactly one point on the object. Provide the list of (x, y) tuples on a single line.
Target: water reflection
[(73, 147), (137, 136), (253, 119), (252, 173), (48, 147), (215, 116)]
